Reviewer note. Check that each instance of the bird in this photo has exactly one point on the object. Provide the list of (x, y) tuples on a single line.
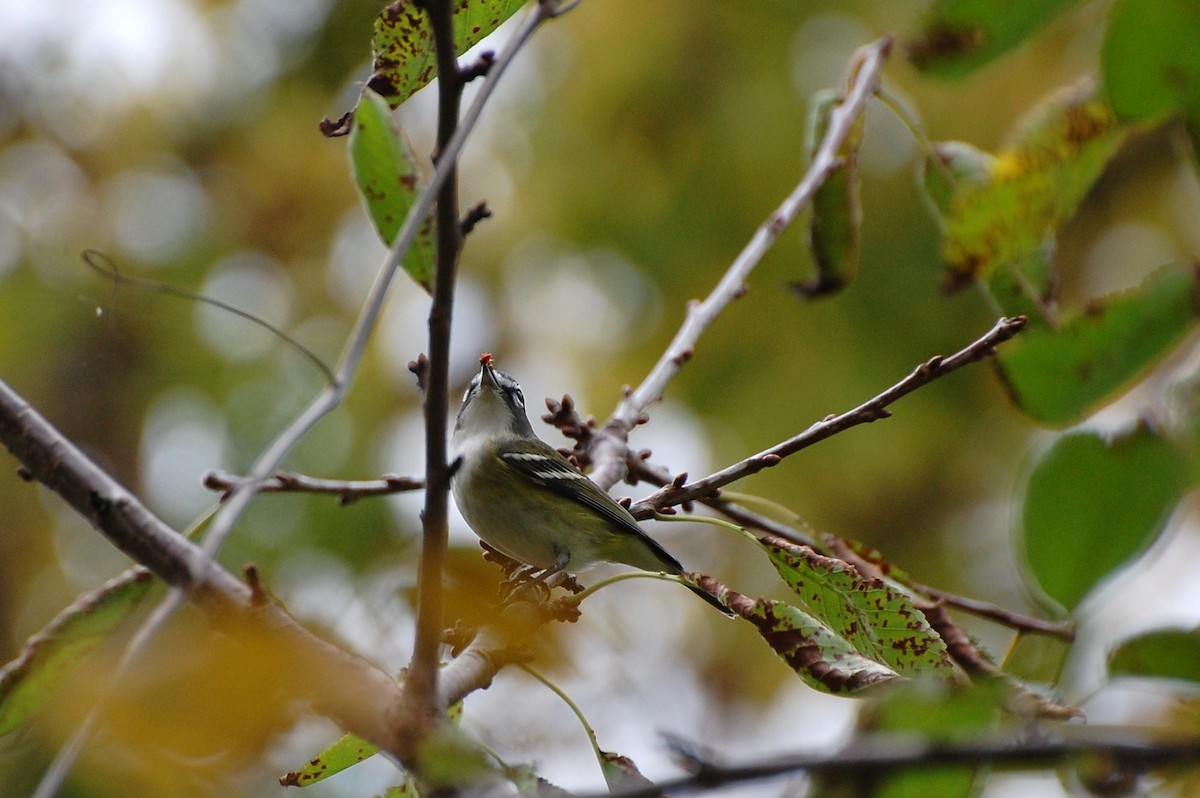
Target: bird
[(527, 501)]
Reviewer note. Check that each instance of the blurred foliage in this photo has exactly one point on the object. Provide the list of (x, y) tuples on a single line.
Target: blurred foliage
[(1081, 518), (1165, 653), (960, 35), (635, 151)]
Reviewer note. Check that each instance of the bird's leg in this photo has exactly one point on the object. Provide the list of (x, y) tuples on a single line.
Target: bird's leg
[(524, 578), (560, 564)]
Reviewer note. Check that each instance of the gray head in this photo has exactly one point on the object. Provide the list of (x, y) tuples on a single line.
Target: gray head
[(493, 403)]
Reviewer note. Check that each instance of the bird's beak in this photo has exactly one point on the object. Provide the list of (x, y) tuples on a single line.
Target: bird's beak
[(487, 376)]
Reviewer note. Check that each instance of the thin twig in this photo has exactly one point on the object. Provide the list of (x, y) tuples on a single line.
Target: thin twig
[(878, 755), (606, 453), (871, 410), (346, 490), (1064, 630)]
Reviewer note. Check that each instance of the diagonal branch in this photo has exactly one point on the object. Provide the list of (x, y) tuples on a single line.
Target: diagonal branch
[(871, 410), (607, 453)]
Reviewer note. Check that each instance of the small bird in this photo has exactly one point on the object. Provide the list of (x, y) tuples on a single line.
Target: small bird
[(528, 502)]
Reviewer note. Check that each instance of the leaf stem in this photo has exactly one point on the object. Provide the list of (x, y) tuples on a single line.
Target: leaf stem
[(566, 699)]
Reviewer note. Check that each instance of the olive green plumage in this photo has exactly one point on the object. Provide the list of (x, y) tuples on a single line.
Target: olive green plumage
[(527, 501)]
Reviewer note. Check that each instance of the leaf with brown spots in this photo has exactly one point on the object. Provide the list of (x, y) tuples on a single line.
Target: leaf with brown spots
[(998, 223), (403, 42), (818, 655), (1028, 285), (877, 620), (385, 170), (347, 751)]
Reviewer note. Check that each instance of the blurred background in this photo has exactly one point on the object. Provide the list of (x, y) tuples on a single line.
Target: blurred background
[(628, 157)]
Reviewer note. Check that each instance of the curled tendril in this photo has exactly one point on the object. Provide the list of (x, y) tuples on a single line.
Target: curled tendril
[(107, 268)]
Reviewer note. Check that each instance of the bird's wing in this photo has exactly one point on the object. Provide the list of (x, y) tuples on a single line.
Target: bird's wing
[(544, 466)]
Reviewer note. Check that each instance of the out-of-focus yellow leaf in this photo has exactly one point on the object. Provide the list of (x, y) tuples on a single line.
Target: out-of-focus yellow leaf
[(1033, 186), (63, 646)]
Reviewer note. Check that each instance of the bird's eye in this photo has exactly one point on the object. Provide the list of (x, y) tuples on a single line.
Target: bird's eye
[(517, 397)]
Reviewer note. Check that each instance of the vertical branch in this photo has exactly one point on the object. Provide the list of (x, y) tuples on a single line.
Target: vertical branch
[(420, 706)]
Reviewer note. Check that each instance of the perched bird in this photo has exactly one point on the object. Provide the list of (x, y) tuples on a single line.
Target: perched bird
[(528, 502)]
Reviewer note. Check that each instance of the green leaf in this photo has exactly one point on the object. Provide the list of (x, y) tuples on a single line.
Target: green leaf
[(1092, 504), (528, 782), (1165, 654), (876, 619), (385, 171), (1037, 659), (1025, 287), (1149, 59), (820, 657), (51, 655), (1032, 187), (958, 166), (405, 59), (1058, 376), (835, 227), (409, 789), (621, 774), (448, 758), (958, 36), (348, 750)]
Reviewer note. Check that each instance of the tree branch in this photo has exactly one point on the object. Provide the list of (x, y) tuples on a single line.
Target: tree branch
[(871, 410), (346, 491), (641, 469), (422, 704), (607, 451), (420, 707)]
